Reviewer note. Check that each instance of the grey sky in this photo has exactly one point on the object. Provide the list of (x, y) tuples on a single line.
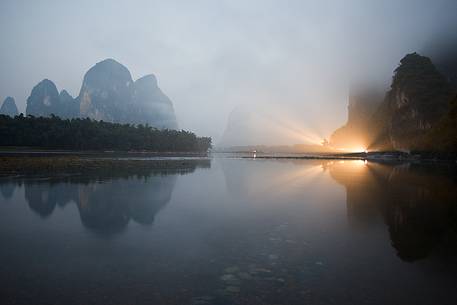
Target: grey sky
[(291, 58)]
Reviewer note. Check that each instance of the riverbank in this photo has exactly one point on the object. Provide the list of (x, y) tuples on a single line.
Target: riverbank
[(73, 164), (388, 156), (12, 151), (33, 162)]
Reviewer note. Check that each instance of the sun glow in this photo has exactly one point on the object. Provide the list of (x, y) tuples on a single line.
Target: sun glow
[(357, 150), (294, 129), (347, 149)]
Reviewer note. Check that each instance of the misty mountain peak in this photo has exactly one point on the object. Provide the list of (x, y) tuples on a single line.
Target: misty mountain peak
[(109, 63), (147, 80), (9, 107), (47, 83), (106, 73), (153, 107), (108, 93), (43, 100), (69, 105), (64, 94)]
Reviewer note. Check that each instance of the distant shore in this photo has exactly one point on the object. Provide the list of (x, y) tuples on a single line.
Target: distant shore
[(388, 156), (34, 152), (26, 161), (23, 164)]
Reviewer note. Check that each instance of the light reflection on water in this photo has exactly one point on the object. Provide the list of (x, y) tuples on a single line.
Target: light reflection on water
[(233, 232)]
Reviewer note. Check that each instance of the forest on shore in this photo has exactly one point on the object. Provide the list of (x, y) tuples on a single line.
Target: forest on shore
[(86, 134)]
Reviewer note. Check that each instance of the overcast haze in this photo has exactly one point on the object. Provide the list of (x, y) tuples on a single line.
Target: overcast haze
[(291, 58)]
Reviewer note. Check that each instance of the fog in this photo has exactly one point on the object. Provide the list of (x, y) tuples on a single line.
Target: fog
[(289, 62)]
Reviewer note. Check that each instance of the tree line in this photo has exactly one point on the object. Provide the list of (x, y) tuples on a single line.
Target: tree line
[(86, 134)]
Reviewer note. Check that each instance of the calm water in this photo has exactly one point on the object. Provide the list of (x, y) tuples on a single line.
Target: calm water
[(233, 231)]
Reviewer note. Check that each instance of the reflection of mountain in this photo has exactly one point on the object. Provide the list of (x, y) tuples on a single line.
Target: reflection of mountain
[(108, 207), (418, 203), (362, 190), (43, 201), (107, 204), (39, 201), (152, 199), (7, 189)]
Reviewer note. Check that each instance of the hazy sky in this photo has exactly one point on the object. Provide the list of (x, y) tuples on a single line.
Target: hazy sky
[(292, 59)]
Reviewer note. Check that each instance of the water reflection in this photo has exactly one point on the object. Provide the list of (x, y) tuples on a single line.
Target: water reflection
[(106, 202), (42, 196), (243, 232), (418, 203), (109, 206), (7, 190), (267, 177)]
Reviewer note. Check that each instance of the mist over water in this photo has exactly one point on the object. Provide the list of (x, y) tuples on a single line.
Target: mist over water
[(291, 63)]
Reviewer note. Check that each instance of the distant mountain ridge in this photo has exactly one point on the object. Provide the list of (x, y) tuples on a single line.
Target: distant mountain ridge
[(108, 93)]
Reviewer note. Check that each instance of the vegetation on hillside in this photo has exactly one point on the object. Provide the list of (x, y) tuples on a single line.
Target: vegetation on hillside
[(86, 134), (443, 137)]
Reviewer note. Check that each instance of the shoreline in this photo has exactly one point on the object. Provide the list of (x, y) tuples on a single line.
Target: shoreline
[(26, 152), (426, 157), (38, 165), (42, 162)]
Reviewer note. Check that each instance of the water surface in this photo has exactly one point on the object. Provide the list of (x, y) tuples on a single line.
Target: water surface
[(233, 231)]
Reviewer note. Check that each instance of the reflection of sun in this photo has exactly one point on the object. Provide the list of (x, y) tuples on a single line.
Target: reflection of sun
[(358, 162), (281, 182)]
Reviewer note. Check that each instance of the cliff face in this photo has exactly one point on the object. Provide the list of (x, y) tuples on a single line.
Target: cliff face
[(418, 98), (108, 93), (9, 107), (443, 137)]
